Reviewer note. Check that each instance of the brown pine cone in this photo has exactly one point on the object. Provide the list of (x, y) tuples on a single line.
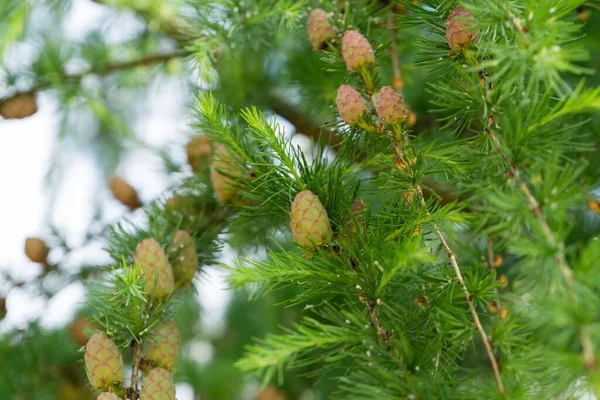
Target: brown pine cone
[(36, 250), (2, 308), (17, 107), (124, 192), (78, 329), (198, 152)]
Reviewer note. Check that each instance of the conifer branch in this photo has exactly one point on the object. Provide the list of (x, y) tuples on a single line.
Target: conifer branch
[(399, 160), (452, 257), (589, 359), (107, 70)]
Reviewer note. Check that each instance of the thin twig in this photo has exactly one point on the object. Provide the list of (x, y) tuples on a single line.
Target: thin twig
[(107, 70), (589, 359), (461, 282), (400, 163), (137, 350), (397, 82)]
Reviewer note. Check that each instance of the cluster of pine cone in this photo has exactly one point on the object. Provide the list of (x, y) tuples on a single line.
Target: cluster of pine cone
[(310, 224), (104, 364)]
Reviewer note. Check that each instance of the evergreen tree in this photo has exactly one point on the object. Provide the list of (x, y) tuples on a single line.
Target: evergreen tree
[(438, 238)]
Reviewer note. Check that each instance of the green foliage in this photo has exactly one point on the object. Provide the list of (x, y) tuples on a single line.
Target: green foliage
[(475, 249)]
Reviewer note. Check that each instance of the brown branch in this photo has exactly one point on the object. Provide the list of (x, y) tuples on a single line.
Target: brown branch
[(589, 359), (459, 277), (397, 83), (137, 347), (107, 70), (399, 160)]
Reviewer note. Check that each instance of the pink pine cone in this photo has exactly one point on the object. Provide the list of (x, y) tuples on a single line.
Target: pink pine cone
[(356, 50), (103, 361), (309, 221), (319, 29), (458, 31), (350, 104), (390, 106), (163, 345), (158, 385), (154, 264)]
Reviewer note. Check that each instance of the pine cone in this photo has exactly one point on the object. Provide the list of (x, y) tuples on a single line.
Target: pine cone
[(107, 396), (36, 250), (163, 346), (20, 106), (184, 258), (225, 187), (124, 192), (2, 308), (356, 50), (198, 152), (309, 221), (271, 393), (319, 29), (158, 385), (155, 267), (356, 223), (103, 361), (458, 31), (78, 330), (390, 106), (350, 104)]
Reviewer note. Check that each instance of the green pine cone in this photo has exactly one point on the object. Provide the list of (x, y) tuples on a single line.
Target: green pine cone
[(155, 267), (184, 258), (103, 361), (158, 385), (163, 346), (223, 168), (309, 221), (107, 396)]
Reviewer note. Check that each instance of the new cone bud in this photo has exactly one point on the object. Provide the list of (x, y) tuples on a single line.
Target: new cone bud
[(154, 264), (158, 385), (107, 396), (36, 250), (124, 192), (390, 106), (162, 347), (458, 31), (184, 258), (223, 168), (198, 152), (319, 29), (350, 104), (20, 106), (356, 50), (309, 221), (103, 362)]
